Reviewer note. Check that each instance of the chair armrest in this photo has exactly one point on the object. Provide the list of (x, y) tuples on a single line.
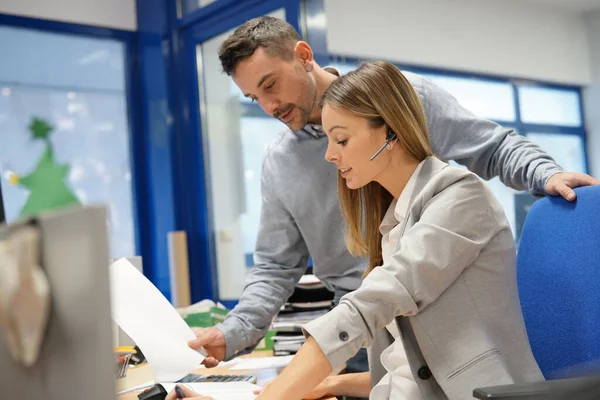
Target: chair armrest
[(543, 390)]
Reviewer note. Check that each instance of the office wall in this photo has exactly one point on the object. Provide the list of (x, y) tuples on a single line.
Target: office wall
[(507, 38), (119, 14), (591, 94)]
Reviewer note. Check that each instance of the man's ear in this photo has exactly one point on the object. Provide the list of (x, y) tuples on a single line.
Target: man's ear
[(304, 54)]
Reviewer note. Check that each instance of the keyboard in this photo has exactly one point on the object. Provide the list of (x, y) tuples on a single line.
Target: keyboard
[(194, 378)]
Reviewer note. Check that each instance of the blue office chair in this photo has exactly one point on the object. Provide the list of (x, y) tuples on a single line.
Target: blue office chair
[(558, 274)]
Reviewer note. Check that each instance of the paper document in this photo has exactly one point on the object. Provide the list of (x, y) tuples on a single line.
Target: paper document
[(262, 363), (152, 322), (309, 279), (220, 391)]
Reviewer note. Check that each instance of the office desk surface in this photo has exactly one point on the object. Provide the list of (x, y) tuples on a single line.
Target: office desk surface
[(262, 375)]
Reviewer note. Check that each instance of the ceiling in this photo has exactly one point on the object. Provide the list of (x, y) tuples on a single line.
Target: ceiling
[(573, 5)]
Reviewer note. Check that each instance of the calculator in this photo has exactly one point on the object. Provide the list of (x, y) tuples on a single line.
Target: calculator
[(194, 378)]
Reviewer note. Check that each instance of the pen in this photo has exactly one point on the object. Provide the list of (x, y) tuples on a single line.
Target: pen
[(179, 392)]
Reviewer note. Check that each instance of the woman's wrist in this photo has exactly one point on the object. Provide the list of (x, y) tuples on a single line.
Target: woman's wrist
[(333, 385), (356, 384)]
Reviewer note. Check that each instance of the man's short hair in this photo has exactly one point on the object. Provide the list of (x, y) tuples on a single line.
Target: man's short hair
[(277, 37)]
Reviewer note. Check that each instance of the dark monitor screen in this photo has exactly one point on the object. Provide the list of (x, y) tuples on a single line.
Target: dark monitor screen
[(2, 217)]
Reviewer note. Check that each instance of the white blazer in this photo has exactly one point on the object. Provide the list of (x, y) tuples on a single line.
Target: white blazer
[(452, 279)]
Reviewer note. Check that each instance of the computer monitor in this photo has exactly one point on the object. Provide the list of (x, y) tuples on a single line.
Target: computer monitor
[(2, 215), (75, 361)]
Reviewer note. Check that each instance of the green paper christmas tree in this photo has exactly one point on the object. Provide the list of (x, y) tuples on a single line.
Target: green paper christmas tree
[(46, 183)]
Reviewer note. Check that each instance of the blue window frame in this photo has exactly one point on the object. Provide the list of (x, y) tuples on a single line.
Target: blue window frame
[(192, 186)]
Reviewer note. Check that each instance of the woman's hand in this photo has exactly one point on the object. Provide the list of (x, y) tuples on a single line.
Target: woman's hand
[(187, 394), (323, 389), (308, 368)]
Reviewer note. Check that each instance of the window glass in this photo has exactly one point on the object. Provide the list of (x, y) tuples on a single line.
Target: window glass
[(188, 6), (486, 99), (256, 133), (64, 134), (546, 106), (567, 150)]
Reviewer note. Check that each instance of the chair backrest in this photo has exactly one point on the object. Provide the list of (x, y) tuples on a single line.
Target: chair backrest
[(558, 268)]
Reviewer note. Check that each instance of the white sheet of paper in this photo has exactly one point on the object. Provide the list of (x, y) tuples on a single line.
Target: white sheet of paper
[(308, 279), (152, 322), (262, 363), (220, 391)]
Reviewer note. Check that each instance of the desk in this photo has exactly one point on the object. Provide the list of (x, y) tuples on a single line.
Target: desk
[(143, 374)]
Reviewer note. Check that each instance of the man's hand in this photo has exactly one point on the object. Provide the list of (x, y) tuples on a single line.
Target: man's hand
[(563, 184), (213, 341), (187, 394)]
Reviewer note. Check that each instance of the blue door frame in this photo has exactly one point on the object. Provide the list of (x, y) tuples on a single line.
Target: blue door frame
[(192, 178)]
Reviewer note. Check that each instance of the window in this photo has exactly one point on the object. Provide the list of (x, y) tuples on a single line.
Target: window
[(548, 106), (549, 116), (484, 98), (76, 107), (257, 133), (258, 130), (236, 133), (567, 150), (188, 6)]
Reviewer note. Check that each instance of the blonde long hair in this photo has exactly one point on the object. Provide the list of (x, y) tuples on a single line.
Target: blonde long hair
[(379, 92)]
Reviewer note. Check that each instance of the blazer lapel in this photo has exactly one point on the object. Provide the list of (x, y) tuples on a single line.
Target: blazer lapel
[(431, 167)]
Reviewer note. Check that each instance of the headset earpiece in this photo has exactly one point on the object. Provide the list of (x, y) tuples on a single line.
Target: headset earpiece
[(390, 136)]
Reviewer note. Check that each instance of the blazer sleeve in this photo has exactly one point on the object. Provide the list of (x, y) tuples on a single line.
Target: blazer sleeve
[(455, 224)]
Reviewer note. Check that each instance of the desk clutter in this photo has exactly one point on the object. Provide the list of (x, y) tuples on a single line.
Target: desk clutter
[(216, 391), (122, 357), (150, 320), (83, 290), (310, 300), (162, 332), (156, 327)]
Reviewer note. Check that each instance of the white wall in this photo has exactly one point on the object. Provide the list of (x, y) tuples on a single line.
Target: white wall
[(591, 94), (119, 14), (507, 38)]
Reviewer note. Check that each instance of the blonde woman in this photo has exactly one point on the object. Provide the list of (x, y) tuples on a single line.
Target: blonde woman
[(438, 308)]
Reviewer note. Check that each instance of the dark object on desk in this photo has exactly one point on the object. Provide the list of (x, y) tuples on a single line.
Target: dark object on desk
[(193, 378), (156, 392), (309, 294), (122, 363), (138, 357), (310, 300), (560, 389)]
